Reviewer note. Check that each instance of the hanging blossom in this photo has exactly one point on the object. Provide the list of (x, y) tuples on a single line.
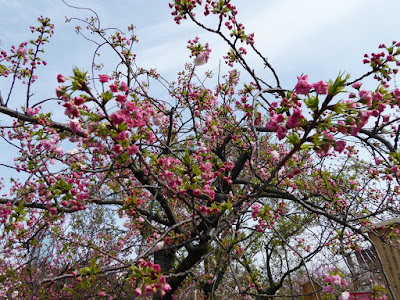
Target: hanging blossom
[(303, 86), (200, 53), (201, 59)]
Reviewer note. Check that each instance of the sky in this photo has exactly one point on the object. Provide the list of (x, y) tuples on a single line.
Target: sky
[(313, 37)]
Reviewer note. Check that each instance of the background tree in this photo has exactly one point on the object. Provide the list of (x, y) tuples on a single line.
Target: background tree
[(224, 186)]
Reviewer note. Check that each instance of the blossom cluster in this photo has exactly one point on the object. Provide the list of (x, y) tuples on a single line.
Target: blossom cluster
[(200, 53), (22, 60), (152, 282)]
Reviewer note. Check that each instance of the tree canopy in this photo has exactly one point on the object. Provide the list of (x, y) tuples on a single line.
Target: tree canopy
[(221, 187)]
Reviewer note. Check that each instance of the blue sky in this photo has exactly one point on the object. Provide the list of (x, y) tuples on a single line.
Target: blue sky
[(314, 37)]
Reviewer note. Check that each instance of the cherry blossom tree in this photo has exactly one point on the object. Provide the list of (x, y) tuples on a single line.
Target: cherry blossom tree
[(225, 188)]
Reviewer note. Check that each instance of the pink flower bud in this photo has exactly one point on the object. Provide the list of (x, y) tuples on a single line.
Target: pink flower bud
[(148, 289), (196, 192), (60, 91), (158, 246), (79, 101), (386, 118), (167, 287), (103, 78), (30, 112), (61, 78), (157, 121), (138, 292)]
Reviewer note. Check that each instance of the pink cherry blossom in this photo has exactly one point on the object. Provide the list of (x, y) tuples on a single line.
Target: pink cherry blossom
[(21, 51), (303, 86), (294, 120), (395, 170), (377, 96), (386, 118), (32, 111), (78, 101), (75, 125), (366, 97), (340, 146), (103, 78), (281, 132), (328, 289), (336, 279), (321, 87), (61, 78), (148, 289), (200, 59), (344, 296), (166, 287), (124, 87), (121, 98), (381, 107), (275, 155), (117, 148), (113, 88), (396, 93), (117, 117)]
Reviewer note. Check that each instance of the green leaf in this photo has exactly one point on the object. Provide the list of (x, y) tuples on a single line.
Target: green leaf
[(122, 126), (293, 139), (339, 107), (107, 95), (78, 79), (196, 170), (305, 147), (338, 85), (93, 262), (186, 159), (312, 102), (123, 157), (317, 139), (85, 271), (113, 133), (103, 130)]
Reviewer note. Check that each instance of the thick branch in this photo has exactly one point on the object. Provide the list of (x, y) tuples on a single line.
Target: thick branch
[(379, 138), (23, 117)]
